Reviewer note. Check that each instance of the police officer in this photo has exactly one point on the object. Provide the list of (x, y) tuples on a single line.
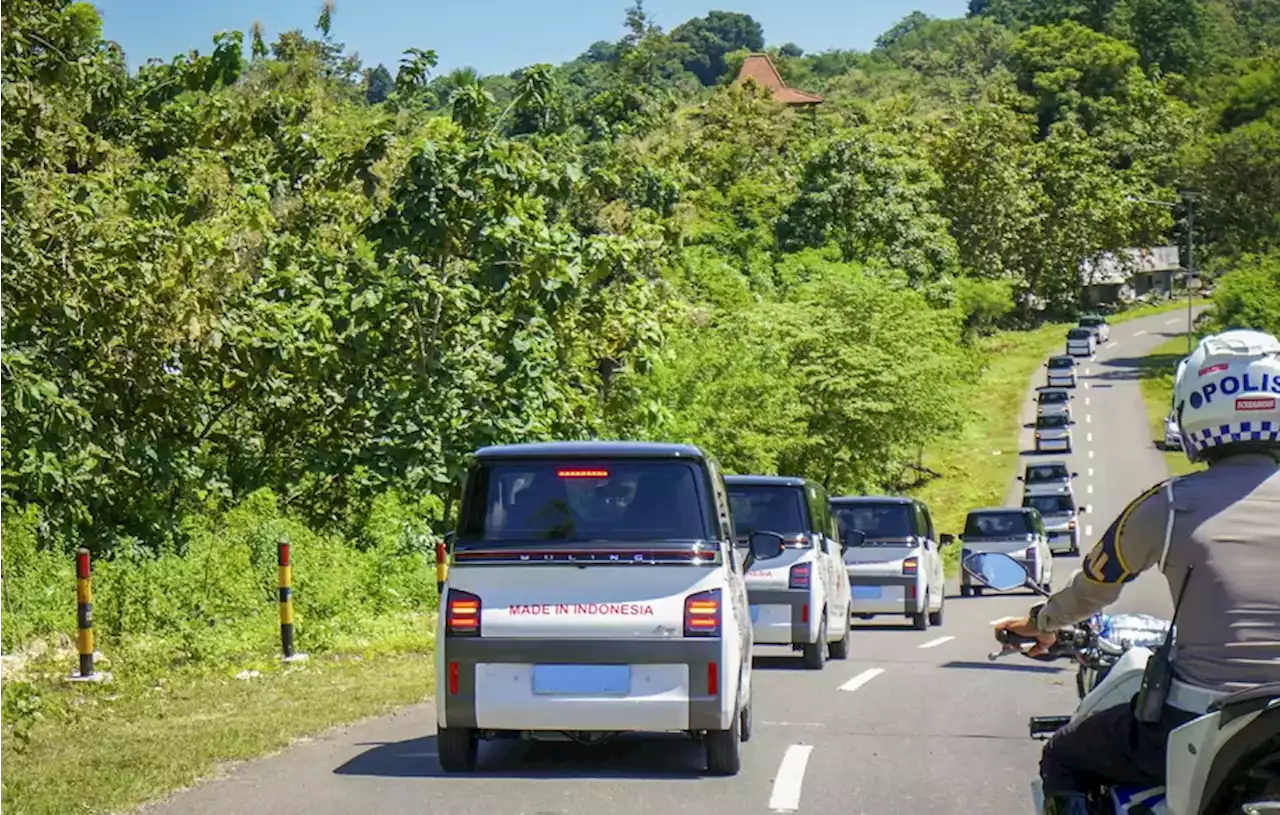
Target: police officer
[(1221, 527)]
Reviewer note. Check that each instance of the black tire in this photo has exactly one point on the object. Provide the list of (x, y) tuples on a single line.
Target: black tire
[(724, 750), (744, 724), (840, 649), (935, 617), (815, 654), (965, 591), (977, 591), (920, 622), (457, 749)]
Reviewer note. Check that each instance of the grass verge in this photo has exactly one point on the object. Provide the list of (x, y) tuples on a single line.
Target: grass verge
[(109, 747), (1156, 382), (979, 462)]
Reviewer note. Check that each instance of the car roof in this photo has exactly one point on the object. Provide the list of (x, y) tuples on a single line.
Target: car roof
[(998, 510), (1053, 462), (591, 449), (1067, 357), (1056, 389), (872, 499), (764, 480)]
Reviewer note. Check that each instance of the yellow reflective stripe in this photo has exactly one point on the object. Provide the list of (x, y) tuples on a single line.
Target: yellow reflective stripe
[(284, 576), (1124, 518), (84, 592), (286, 613), (84, 641)]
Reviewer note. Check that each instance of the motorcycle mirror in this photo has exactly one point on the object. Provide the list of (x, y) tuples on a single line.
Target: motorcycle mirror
[(852, 537), (997, 570)]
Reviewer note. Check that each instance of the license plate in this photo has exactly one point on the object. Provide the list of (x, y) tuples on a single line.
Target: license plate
[(866, 592), (582, 680), (755, 614)]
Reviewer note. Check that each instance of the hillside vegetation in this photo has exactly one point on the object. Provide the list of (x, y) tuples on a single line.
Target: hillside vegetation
[(264, 291)]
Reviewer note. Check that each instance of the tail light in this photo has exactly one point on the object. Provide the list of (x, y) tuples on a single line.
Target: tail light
[(1030, 554), (1037, 434), (462, 615), (702, 614), (713, 679), (799, 576), (1071, 525), (909, 565)]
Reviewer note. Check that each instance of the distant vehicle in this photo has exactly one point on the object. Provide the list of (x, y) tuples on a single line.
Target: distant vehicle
[(1053, 402), (1060, 514), (1081, 342), (595, 589), (801, 597), (1061, 371), (896, 568), (1098, 325), (1172, 433), (1053, 433), (1015, 531), (1046, 476)]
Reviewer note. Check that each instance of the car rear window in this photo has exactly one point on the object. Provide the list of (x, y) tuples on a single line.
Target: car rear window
[(767, 508), (995, 524), (1058, 363), (1090, 322), (1079, 334), (621, 500), (1045, 472), (1049, 504), (1053, 397), (1052, 421), (876, 521)]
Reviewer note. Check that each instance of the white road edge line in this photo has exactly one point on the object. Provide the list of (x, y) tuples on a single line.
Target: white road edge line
[(1109, 345), (1139, 333), (935, 643), (786, 786), (1171, 322), (862, 679)]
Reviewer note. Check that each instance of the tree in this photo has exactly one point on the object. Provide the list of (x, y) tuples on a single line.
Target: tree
[(710, 38), (378, 85), (1249, 295), (912, 22)]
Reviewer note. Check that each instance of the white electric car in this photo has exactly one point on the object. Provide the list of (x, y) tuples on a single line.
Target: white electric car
[(801, 597), (894, 563), (594, 590), (1015, 531)]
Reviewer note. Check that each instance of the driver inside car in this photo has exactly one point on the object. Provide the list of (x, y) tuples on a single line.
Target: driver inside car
[(1217, 532)]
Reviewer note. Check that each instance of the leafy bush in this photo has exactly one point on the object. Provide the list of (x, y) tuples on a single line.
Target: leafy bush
[(1249, 296)]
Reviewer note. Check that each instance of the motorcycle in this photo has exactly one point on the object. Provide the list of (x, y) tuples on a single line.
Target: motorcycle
[(1226, 762)]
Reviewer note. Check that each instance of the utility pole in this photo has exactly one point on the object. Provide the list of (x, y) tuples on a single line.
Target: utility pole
[(1189, 200)]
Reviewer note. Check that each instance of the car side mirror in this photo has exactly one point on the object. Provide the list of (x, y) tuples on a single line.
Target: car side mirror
[(762, 546), (946, 539), (1075, 475), (851, 538), (448, 539), (1018, 477)]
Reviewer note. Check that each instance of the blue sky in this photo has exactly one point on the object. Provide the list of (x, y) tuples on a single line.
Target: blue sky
[(493, 36)]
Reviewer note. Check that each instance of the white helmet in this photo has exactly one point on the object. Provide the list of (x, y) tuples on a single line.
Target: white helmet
[(1226, 393)]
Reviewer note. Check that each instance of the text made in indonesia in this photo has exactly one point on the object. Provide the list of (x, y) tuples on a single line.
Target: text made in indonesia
[(582, 609)]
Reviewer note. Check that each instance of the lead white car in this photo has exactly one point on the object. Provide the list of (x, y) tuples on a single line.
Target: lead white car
[(896, 567), (1015, 531), (801, 597), (594, 590)]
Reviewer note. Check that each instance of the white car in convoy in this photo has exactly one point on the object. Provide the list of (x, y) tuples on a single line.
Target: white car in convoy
[(801, 597), (594, 590), (1015, 531), (1060, 371), (1060, 514), (1053, 402), (1081, 342), (894, 561), (1098, 325), (1053, 432)]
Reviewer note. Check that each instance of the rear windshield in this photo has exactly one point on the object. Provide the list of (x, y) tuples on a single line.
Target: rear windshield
[(1058, 363), (1054, 397), (767, 508), (1090, 322), (625, 500), (1079, 334), (1049, 504), (1039, 473), (876, 521), (1052, 421), (995, 524)]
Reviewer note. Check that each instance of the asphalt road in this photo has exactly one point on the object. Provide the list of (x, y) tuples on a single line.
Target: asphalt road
[(914, 722)]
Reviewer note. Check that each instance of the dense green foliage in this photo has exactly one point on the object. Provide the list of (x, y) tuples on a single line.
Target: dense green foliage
[(266, 290)]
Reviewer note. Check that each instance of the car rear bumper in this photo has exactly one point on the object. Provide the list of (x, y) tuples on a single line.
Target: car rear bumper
[(1053, 444), (488, 684), (1062, 540), (885, 594), (1061, 381), (782, 616)]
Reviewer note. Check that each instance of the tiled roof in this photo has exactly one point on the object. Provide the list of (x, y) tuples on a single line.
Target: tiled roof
[(760, 68)]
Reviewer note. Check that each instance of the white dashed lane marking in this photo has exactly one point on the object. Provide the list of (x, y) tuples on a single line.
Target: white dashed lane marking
[(862, 679), (1090, 471), (1139, 333), (1089, 489), (1088, 437), (786, 786), (1171, 322), (1109, 345), (1088, 418), (1090, 454), (935, 643)]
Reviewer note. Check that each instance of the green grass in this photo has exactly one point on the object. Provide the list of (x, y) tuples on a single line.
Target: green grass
[(1156, 382), (109, 747), (978, 463)]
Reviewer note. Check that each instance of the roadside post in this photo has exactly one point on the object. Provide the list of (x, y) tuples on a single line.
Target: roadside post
[(284, 581), (84, 623)]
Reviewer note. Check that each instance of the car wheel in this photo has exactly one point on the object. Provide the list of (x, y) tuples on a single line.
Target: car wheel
[(744, 723), (840, 648), (815, 654), (977, 591), (724, 750), (457, 749), (935, 617), (920, 622), (965, 591)]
